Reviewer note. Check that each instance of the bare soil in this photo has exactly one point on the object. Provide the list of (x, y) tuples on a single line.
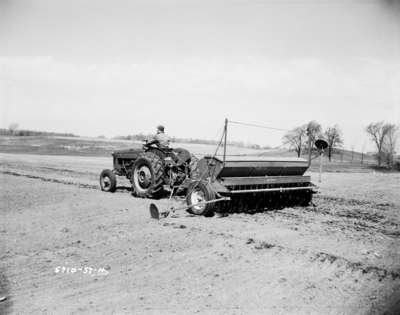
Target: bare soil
[(341, 256)]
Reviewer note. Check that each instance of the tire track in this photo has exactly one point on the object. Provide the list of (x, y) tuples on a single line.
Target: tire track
[(52, 180)]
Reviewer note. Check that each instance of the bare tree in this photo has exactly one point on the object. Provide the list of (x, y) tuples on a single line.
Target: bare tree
[(314, 131), (296, 139), (389, 145), (352, 152), (333, 136), (378, 132), (13, 128)]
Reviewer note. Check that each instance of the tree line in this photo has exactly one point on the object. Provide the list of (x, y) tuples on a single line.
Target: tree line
[(297, 138), (384, 135), (13, 130), (241, 144)]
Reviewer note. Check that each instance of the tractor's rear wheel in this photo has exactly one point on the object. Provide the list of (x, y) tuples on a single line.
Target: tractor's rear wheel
[(147, 175), (108, 181), (200, 192)]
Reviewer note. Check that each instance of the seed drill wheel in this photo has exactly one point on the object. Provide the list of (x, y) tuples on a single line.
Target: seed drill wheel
[(147, 175), (108, 181), (200, 192)]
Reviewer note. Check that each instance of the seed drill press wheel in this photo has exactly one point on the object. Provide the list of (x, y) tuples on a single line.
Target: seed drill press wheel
[(200, 192)]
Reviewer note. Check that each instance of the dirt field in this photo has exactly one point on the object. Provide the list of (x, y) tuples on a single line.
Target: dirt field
[(341, 256)]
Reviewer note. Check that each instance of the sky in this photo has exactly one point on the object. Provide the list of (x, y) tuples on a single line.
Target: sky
[(123, 67)]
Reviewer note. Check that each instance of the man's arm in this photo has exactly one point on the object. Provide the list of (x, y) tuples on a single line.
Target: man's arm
[(154, 140)]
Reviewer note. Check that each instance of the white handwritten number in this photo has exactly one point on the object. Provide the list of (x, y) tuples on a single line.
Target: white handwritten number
[(84, 270)]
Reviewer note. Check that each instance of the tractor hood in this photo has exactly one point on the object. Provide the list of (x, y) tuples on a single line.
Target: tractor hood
[(127, 153)]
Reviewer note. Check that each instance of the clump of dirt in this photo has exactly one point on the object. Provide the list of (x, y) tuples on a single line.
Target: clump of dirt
[(175, 225), (180, 226), (264, 245), (322, 257), (250, 241)]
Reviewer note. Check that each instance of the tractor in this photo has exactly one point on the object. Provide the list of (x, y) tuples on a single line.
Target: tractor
[(250, 183), (227, 184), (151, 170)]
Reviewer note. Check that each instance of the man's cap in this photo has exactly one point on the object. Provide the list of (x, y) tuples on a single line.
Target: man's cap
[(160, 128)]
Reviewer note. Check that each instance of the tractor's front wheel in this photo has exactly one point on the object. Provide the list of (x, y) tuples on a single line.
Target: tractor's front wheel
[(147, 175), (198, 193), (108, 181)]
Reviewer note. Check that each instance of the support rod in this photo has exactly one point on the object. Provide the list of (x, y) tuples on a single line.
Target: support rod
[(201, 203), (320, 166), (225, 136), (309, 146)]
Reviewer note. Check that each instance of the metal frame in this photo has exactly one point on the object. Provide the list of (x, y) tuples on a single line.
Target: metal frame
[(261, 180), (280, 189), (225, 138), (155, 213)]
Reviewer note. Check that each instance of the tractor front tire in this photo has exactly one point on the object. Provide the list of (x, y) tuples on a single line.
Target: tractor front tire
[(108, 181), (200, 192), (147, 175)]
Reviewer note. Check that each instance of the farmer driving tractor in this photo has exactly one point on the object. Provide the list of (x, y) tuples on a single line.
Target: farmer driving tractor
[(160, 138)]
